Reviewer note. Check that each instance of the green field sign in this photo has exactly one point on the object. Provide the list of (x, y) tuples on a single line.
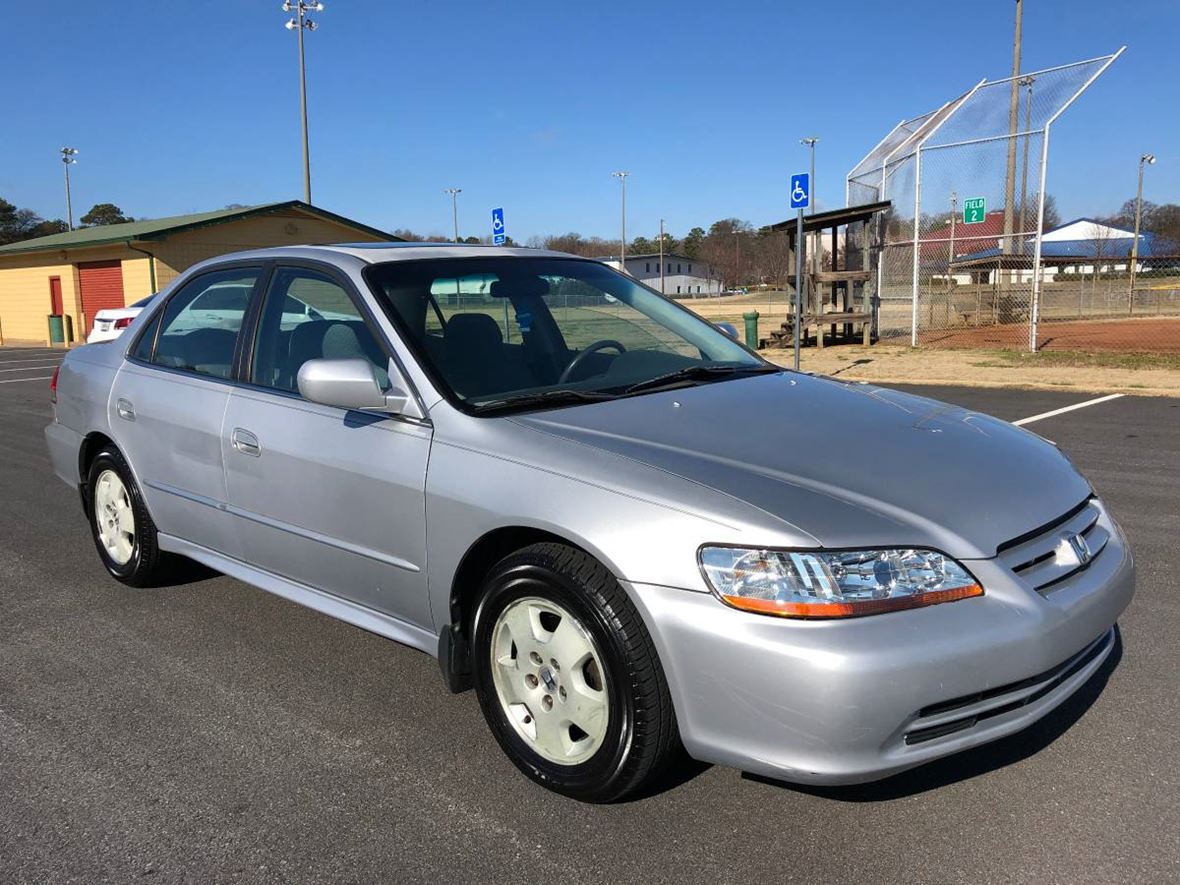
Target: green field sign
[(974, 211)]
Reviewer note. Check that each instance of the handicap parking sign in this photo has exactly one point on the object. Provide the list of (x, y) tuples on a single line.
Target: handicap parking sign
[(800, 190), (499, 234)]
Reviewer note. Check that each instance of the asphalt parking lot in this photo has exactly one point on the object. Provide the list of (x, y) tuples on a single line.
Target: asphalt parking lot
[(212, 731)]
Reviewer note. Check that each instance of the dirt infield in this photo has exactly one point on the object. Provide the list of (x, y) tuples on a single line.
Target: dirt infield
[(1139, 335)]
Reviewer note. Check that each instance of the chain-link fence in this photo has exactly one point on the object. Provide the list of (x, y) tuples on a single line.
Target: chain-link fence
[(972, 251)]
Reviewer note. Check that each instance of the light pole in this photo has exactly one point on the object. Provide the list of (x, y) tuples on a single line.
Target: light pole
[(1145, 160), (622, 177), (302, 23), (810, 143), (661, 256), (67, 159), (454, 192)]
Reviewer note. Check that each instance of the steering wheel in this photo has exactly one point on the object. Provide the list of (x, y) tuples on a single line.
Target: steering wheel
[(601, 344)]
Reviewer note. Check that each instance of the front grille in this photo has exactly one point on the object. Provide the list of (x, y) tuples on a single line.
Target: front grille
[(1045, 557), (939, 720)]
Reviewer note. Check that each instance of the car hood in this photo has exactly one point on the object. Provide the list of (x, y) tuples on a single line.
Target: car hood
[(850, 464)]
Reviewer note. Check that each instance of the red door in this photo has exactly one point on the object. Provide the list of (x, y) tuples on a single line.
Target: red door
[(55, 305), (101, 285)]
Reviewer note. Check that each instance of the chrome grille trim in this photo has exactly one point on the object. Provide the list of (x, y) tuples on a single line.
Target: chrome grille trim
[(1046, 558)]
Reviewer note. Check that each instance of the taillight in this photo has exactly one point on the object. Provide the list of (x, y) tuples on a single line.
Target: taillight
[(53, 385), (123, 322)]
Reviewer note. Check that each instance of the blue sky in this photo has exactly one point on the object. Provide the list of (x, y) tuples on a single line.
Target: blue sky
[(187, 106)]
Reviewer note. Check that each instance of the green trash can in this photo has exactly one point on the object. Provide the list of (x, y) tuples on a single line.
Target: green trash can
[(751, 319), (57, 329)]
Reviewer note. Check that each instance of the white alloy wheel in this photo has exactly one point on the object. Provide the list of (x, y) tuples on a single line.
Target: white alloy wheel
[(550, 680), (113, 517)]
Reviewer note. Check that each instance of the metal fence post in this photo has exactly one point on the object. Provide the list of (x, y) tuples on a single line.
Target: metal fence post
[(917, 233)]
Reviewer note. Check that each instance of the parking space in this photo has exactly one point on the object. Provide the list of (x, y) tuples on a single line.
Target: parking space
[(210, 730), (25, 364)]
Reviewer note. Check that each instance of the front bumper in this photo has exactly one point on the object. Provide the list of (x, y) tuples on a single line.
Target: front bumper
[(842, 702)]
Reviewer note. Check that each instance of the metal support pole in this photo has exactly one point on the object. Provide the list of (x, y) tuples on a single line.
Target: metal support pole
[(303, 110), (662, 256), (1145, 159), (69, 200), (622, 177), (917, 231), (798, 282), (1036, 268)]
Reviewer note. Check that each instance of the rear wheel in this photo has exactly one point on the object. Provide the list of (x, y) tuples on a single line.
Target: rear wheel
[(123, 531), (567, 676)]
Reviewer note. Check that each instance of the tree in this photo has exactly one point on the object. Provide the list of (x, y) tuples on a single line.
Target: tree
[(691, 245), (642, 246), (17, 224), (48, 228), (104, 213)]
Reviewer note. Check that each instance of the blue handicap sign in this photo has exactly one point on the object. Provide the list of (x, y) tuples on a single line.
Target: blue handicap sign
[(800, 190), (499, 234)]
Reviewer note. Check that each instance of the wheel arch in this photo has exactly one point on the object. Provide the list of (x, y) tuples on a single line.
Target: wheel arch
[(92, 444)]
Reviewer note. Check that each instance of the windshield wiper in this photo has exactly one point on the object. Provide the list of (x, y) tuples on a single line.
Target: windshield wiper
[(694, 373), (545, 398)]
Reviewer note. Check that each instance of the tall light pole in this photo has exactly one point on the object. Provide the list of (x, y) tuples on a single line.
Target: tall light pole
[(302, 23), (67, 159), (1145, 160), (454, 192), (661, 256), (622, 177), (810, 143)]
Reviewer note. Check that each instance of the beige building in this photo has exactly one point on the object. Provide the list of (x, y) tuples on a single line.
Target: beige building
[(80, 272)]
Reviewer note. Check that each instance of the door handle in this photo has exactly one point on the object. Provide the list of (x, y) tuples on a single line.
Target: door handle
[(125, 409), (245, 442)]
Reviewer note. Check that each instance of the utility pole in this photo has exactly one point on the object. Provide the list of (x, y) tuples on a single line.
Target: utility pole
[(1145, 160), (622, 177), (662, 256), (1013, 116), (737, 258), (454, 192), (67, 159), (302, 23)]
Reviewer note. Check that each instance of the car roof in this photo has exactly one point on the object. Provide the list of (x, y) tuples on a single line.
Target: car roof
[(379, 252)]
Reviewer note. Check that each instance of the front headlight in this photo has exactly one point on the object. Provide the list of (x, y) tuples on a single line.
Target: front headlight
[(840, 584)]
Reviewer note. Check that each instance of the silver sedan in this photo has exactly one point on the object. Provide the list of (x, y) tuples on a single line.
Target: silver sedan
[(626, 531)]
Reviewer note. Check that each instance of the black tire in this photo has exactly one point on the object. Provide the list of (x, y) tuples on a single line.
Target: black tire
[(641, 737), (147, 565)]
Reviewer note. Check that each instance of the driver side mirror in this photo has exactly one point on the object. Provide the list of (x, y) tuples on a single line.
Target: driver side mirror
[(352, 384), (729, 329)]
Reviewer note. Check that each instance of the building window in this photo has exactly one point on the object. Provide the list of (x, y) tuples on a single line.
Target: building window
[(698, 290), (678, 267), (669, 267), (647, 267), (677, 290), (690, 271)]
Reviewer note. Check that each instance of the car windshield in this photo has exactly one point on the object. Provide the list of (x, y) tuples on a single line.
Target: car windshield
[(503, 332)]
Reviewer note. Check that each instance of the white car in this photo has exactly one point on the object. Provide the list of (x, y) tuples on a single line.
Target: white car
[(110, 322)]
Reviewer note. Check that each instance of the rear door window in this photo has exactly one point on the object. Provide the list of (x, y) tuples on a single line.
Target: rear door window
[(199, 325)]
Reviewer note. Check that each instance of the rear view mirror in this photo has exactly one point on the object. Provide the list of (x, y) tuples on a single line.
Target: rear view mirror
[(352, 384)]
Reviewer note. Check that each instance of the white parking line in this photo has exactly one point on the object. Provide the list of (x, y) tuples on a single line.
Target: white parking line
[(30, 368), (19, 380), (1089, 402), (44, 359)]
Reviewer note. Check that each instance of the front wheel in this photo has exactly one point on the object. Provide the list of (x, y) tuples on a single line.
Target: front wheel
[(567, 676)]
